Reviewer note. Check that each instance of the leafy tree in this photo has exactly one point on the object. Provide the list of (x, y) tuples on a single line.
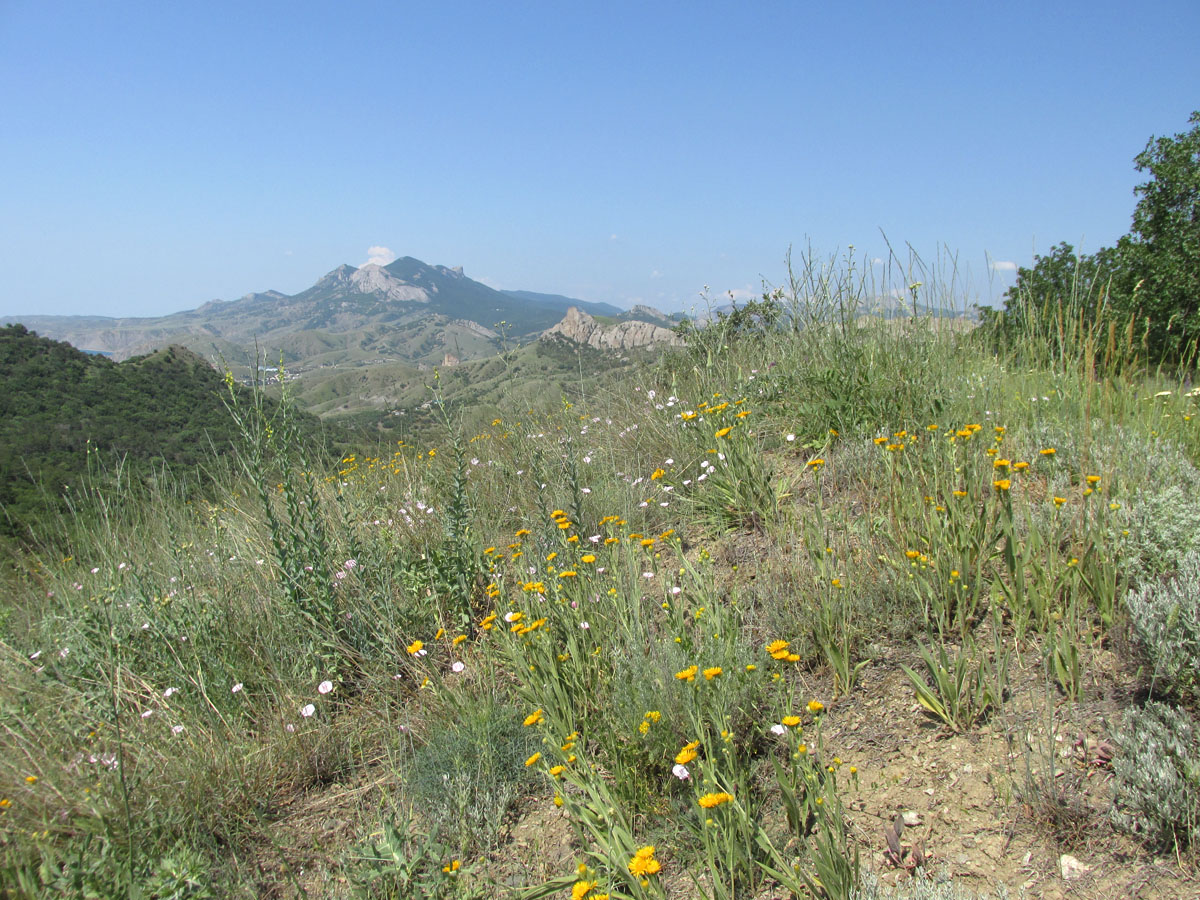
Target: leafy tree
[(1164, 246), (1152, 275)]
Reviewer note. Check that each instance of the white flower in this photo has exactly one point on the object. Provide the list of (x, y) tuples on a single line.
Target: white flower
[(307, 710), (35, 654), (169, 691), (584, 626), (237, 687), (680, 772), (777, 728), (458, 666), (325, 687), (147, 714), (176, 729), (289, 727), (790, 438), (509, 616)]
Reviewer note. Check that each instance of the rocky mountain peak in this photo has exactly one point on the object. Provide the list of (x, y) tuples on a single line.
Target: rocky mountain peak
[(581, 328)]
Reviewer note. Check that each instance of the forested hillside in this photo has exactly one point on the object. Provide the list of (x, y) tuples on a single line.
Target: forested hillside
[(65, 414)]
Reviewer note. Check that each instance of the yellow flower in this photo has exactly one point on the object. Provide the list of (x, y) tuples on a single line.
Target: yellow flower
[(588, 558), (557, 513), (815, 706), (557, 770), (1059, 501), (581, 889), (1001, 463), (567, 573), (1049, 451), (644, 863), (647, 542), (722, 432), (558, 800), (533, 759), (1093, 479), (657, 474), (815, 463), (779, 646), (1021, 466), (687, 754), (791, 721), (522, 532), (31, 779), (1003, 484), (960, 494), (533, 718), (415, 647), (711, 673), (708, 801), (688, 674)]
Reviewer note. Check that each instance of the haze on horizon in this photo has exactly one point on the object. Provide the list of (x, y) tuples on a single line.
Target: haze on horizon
[(158, 157)]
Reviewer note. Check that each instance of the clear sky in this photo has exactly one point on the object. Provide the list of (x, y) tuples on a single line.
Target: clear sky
[(157, 155)]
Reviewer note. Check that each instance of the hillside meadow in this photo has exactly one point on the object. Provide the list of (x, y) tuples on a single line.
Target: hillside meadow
[(815, 605)]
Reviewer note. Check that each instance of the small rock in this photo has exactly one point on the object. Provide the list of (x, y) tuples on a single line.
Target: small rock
[(1071, 867), (912, 819)]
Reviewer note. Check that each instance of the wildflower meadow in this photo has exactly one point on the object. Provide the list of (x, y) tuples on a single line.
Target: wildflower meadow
[(821, 604)]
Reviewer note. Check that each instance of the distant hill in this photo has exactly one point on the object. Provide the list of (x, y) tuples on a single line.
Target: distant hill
[(406, 312), (58, 405)]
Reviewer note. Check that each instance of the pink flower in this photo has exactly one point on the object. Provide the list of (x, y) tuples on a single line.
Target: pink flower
[(307, 710), (325, 687), (680, 772)]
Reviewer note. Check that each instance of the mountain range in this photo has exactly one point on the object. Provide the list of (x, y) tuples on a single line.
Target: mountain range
[(405, 312)]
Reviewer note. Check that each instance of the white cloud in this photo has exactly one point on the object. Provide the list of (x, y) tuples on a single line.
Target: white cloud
[(1003, 265), (613, 237), (379, 256), (740, 295), (656, 274)]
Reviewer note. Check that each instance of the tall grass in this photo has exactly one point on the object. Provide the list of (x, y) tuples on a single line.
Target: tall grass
[(631, 611)]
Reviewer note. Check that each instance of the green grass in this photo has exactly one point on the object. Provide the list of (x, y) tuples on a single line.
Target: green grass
[(644, 566)]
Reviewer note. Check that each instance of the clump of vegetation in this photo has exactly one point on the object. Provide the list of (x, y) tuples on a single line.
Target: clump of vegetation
[(1165, 615), (1157, 775)]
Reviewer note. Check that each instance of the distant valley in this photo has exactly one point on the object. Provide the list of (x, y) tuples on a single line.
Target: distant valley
[(364, 339)]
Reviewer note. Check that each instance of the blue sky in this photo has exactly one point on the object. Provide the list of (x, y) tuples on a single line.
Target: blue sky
[(159, 155)]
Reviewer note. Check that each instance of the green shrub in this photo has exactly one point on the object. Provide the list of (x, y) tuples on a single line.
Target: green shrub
[(927, 888), (471, 771), (1166, 618), (1156, 791)]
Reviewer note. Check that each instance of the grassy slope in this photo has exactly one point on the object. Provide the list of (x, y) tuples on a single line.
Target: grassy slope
[(157, 683)]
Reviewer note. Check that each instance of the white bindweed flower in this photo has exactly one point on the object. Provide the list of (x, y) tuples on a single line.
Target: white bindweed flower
[(307, 710), (458, 666), (680, 772), (147, 714), (176, 729), (325, 687), (236, 688), (778, 729), (169, 691)]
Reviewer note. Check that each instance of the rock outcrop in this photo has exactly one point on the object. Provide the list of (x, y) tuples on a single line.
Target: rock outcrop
[(581, 328)]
